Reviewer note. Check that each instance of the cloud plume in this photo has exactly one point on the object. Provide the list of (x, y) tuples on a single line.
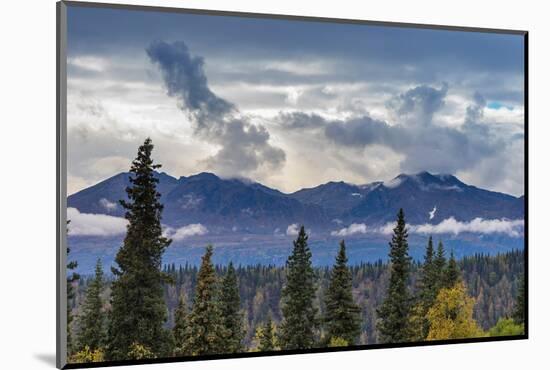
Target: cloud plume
[(417, 135), (244, 146)]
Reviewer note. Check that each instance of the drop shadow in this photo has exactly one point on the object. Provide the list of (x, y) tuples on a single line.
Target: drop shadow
[(46, 358)]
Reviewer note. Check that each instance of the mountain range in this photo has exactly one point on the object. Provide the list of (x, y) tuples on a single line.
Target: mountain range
[(250, 223), (228, 203)]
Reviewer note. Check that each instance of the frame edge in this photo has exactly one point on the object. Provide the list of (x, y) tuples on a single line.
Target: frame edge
[(61, 186)]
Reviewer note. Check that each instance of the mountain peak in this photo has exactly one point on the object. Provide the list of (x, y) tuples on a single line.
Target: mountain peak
[(426, 181), (204, 176)]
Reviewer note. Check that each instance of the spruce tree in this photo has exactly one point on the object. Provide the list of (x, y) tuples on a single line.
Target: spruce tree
[(342, 316), (394, 313), (206, 331), (230, 303), (519, 308), (92, 321), (427, 292), (298, 324), (452, 273), (439, 266), (267, 339), (71, 278), (181, 327), (138, 309)]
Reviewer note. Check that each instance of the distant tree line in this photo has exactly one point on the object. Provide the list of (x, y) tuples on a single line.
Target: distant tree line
[(150, 311)]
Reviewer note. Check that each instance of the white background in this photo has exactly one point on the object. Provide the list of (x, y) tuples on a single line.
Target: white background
[(27, 183)]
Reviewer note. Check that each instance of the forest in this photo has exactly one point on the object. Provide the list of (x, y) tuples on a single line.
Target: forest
[(144, 309)]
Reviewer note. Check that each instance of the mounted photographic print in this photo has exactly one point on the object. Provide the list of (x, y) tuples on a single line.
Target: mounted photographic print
[(237, 185)]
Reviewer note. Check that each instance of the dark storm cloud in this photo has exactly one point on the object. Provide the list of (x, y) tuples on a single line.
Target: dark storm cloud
[(428, 146), (257, 67), (421, 102), (184, 78), (374, 53), (474, 112), (245, 147), (362, 131)]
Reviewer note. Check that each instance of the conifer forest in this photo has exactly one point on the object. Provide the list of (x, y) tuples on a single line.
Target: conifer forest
[(144, 308)]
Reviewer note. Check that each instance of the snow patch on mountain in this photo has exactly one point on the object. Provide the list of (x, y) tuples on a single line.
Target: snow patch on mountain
[(432, 212)]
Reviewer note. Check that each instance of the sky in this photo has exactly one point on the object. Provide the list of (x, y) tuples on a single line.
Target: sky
[(291, 104)]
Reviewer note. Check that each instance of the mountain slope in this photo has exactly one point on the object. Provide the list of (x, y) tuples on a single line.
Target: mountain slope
[(434, 198), (253, 207), (209, 199), (103, 197)]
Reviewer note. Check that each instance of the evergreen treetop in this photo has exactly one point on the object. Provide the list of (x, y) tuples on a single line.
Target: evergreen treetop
[(206, 327), (427, 292), (298, 325), (230, 304), (267, 339), (92, 320), (181, 327), (519, 308), (138, 308), (394, 313), (440, 261), (71, 278), (342, 316), (452, 273)]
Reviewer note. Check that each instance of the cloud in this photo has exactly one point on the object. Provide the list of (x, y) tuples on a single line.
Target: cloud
[(478, 225), (351, 230), (511, 228), (244, 146), (474, 112), (418, 105), (109, 206), (292, 230), (185, 231), (420, 137), (89, 224)]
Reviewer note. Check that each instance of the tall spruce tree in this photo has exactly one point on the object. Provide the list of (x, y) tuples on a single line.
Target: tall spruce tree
[(71, 278), (232, 317), (429, 276), (394, 313), (427, 292), (452, 273), (206, 327), (342, 316), (181, 327), (92, 321), (519, 308), (297, 329), (439, 266), (267, 339), (138, 309)]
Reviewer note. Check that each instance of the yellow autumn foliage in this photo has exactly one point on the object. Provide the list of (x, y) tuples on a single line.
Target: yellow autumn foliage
[(451, 315), (86, 355)]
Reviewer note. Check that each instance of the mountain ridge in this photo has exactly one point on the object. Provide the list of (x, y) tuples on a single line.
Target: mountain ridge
[(229, 202)]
